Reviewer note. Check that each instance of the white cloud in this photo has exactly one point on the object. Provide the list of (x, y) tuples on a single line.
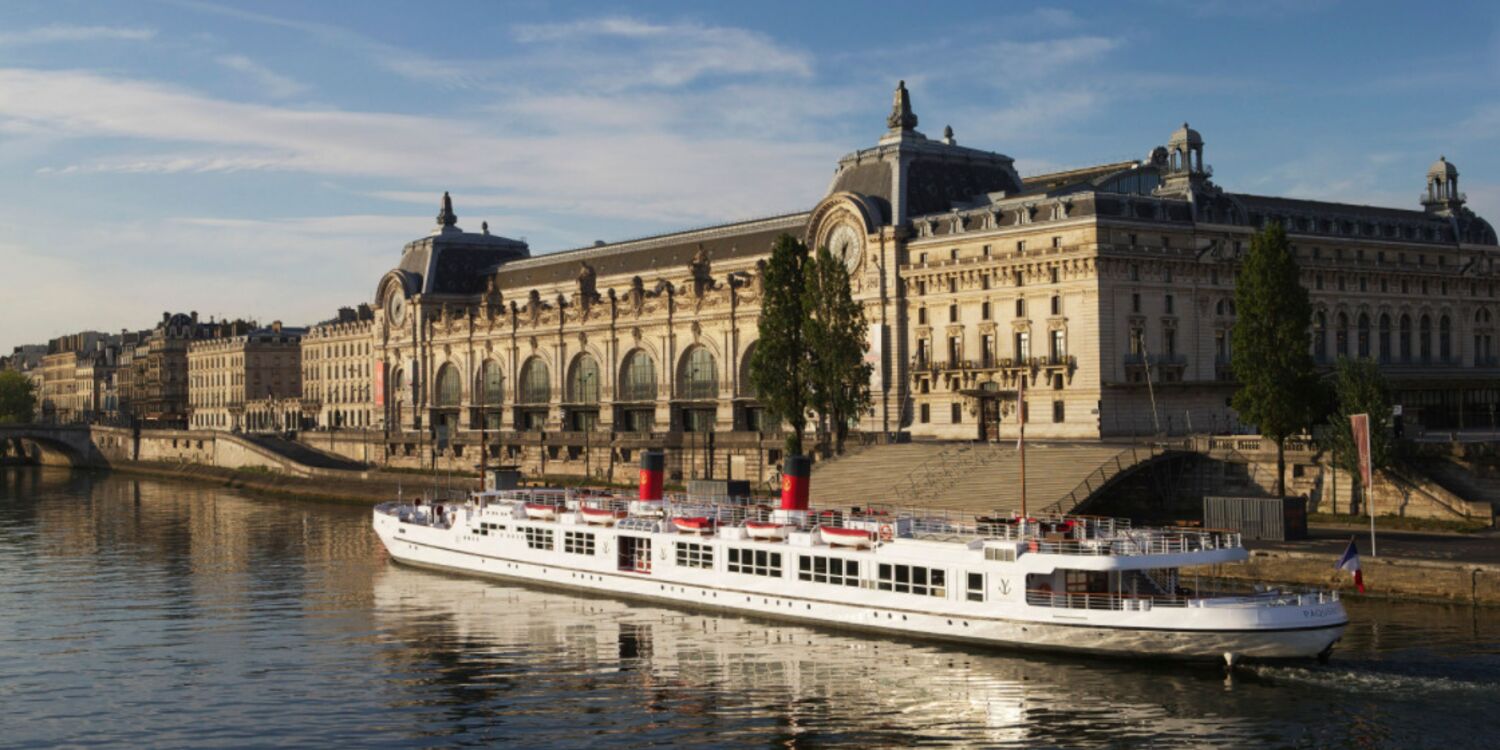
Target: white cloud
[(1021, 61), (274, 84), (399, 60), (67, 33), (644, 175), (634, 52)]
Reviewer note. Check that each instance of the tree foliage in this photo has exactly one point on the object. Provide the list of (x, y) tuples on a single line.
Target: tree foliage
[(779, 366), (17, 397), (1278, 390), (836, 333), (1360, 388)]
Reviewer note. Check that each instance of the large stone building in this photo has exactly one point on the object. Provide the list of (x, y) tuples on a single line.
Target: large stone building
[(243, 378), (1106, 292), (336, 372), (78, 379)]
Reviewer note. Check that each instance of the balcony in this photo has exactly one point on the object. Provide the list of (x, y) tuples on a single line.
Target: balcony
[(1139, 359)]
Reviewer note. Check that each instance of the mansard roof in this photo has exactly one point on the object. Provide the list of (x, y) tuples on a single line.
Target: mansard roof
[(746, 239)]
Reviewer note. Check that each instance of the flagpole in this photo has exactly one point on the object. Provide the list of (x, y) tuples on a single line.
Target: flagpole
[(1021, 421)]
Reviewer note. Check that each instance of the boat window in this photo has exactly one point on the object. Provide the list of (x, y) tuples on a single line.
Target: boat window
[(976, 587), (578, 542), (757, 562), (690, 555), (1000, 554), (912, 579), (834, 570), (538, 538)]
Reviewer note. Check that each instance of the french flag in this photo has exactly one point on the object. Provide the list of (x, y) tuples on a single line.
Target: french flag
[(1350, 562)]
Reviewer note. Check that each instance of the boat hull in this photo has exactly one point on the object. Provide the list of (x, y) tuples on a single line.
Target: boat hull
[(1065, 631)]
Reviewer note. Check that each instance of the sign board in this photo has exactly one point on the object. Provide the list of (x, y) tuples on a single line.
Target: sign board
[(1396, 410)]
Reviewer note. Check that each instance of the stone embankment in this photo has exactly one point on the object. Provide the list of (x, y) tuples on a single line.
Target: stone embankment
[(1447, 581), (356, 487)]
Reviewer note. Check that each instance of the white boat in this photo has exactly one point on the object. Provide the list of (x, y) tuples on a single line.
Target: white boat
[(1081, 584), (769, 530), (841, 537), (604, 516)]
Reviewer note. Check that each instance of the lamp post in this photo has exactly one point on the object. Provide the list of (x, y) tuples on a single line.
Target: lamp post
[(587, 425)]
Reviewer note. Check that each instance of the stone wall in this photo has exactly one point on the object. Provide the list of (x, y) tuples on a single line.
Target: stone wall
[(1385, 577)]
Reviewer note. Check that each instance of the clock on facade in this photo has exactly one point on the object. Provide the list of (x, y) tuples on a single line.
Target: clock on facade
[(845, 243), (396, 309)]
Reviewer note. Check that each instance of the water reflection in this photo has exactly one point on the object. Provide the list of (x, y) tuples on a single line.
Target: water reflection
[(179, 615)]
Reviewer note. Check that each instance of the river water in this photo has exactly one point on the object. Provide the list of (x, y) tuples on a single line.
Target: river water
[(155, 614)]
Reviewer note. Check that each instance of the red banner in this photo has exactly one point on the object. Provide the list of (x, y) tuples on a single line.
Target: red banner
[(379, 383), (1359, 425)]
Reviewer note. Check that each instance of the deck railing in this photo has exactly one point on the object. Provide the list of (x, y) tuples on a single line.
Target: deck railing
[(1057, 535), (1121, 601)]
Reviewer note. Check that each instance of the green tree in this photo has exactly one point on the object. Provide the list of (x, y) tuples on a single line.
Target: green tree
[(1279, 390), (17, 398), (1360, 388), (836, 334), (779, 365)]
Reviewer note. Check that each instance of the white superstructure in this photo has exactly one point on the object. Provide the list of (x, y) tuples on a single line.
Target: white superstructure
[(1080, 584)]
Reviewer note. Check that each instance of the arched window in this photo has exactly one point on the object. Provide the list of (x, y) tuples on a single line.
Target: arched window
[(1424, 338), (583, 381), (1445, 339), (491, 383), (449, 386), (638, 377), (1364, 335), (1320, 337), (1385, 337), (536, 383), (1341, 336), (746, 387), (1405, 338), (698, 377)]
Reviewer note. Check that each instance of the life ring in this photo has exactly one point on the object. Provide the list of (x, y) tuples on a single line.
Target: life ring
[(886, 533)]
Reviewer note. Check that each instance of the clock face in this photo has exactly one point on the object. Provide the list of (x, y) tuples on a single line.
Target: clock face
[(396, 309), (844, 242)]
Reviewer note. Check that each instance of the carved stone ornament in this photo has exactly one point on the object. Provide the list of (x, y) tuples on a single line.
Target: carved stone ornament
[(532, 342)]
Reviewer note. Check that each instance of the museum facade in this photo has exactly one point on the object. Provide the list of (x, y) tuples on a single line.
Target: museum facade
[(1104, 294)]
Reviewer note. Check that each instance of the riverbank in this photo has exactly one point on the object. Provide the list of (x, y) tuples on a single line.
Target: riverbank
[(1451, 568), (364, 488), (1386, 577)]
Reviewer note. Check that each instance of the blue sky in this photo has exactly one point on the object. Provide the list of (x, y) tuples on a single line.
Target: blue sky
[(269, 160)]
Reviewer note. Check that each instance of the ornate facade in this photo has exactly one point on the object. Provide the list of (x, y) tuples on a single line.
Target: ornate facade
[(336, 367), (1104, 293), (246, 379)]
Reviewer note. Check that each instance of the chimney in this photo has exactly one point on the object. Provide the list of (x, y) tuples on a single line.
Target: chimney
[(795, 474), (653, 466)]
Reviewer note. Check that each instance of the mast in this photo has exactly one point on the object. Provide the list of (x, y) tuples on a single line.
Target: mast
[(1021, 441)]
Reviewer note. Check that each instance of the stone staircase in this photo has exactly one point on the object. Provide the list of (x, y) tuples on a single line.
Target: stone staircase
[(973, 477), (303, 454)]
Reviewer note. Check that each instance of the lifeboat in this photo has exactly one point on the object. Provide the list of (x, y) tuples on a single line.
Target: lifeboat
[(697, 525), (766, 530), (603, 516), (541, 512), (835, 536)]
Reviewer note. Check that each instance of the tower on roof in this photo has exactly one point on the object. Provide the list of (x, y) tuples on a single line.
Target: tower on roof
[(902, 118), (1442, 187)]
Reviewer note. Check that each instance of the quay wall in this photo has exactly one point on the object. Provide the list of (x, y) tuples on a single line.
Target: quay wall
[(1385, 577)]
